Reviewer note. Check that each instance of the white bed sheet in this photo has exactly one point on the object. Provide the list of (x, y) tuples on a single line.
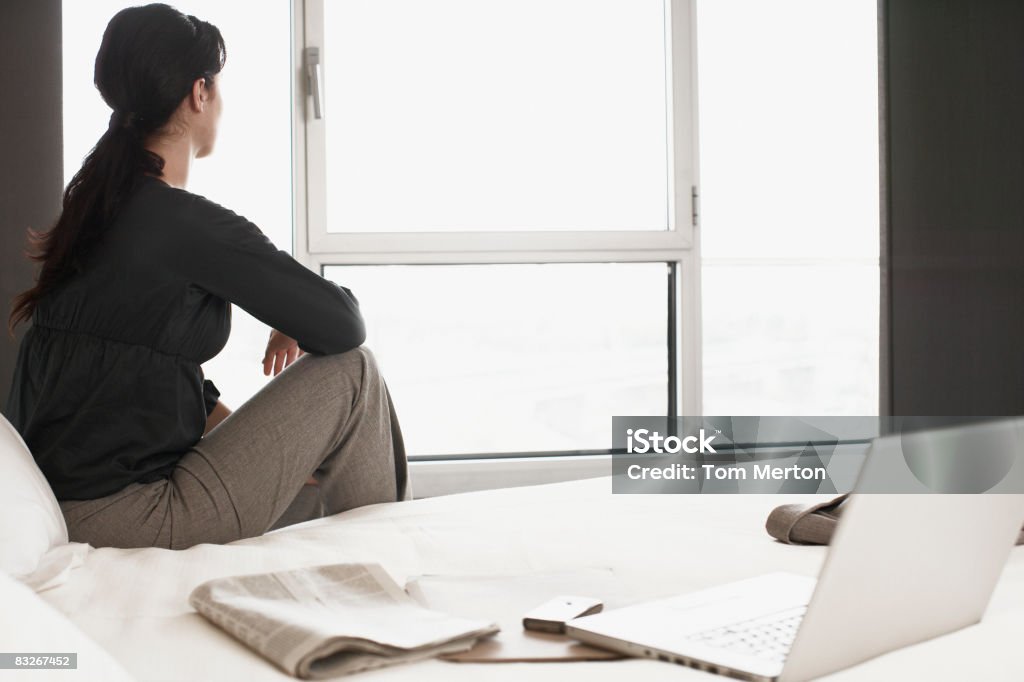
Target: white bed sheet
[(134, 602)]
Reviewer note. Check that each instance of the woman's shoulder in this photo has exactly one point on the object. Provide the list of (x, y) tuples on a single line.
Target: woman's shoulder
[(177, 211), (178, 201)]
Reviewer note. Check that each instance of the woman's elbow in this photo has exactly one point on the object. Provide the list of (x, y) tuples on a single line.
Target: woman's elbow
[(345, 334), (356, 335)]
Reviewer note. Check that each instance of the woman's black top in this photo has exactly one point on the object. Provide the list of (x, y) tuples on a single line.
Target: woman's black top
[(108, 388)]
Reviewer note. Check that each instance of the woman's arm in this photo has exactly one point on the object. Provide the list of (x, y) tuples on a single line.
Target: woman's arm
[(225, 254)]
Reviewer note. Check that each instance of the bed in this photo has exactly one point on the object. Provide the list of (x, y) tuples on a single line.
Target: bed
[(133, 602)]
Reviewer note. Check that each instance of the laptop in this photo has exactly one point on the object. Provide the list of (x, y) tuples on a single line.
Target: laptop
[(901, 569)]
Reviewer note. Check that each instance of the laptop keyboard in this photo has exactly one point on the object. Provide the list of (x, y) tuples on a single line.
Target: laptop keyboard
[(768, 636)]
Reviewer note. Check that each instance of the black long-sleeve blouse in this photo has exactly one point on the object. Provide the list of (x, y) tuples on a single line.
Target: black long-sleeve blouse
[(108, 388)]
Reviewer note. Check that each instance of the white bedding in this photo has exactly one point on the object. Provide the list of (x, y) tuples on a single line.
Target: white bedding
[(134, 602)]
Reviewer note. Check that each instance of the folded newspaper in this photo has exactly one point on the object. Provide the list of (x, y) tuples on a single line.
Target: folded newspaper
[(326, 621)]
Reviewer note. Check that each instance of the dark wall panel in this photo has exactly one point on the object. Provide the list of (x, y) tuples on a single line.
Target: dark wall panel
[(31, 172), (954, 117)]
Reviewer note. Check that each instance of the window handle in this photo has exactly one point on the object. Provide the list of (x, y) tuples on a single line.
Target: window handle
[(315, 80)]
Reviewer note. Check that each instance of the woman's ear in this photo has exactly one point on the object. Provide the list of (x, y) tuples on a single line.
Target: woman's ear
[(199, 95)]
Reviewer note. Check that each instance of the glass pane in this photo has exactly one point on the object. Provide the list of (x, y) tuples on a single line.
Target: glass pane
[(488, 115), (791, 340), (788, 128), (516, 358), (253, 180), (789, 154)]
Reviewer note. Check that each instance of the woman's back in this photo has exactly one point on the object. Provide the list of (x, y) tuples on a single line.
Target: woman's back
[(108, 387)]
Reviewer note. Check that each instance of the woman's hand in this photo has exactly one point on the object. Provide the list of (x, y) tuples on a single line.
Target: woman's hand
[(282, 351)]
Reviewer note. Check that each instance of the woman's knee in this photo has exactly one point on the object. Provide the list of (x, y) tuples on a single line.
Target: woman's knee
[(357, 361), (356, 369)]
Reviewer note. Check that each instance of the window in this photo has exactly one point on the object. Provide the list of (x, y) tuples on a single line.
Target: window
[(514, 358), (470, 115), (507, 188), (789, 206), (254, 180), (510, 190)]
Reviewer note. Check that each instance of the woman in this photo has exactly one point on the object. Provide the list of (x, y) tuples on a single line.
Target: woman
[(134, 294)]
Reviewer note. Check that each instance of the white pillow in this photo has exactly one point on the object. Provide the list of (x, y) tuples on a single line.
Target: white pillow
[(30, 625), (31, 523)]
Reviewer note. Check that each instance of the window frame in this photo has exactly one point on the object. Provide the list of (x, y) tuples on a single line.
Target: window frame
[(678, 245)]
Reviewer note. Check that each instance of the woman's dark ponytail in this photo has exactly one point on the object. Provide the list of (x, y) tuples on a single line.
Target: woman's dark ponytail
[(149, 58)]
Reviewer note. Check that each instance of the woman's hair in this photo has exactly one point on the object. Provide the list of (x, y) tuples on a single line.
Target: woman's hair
[(147, 63)]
